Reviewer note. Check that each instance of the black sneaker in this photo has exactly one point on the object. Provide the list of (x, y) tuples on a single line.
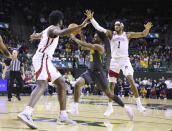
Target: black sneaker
[(9, 99), (18, 97)]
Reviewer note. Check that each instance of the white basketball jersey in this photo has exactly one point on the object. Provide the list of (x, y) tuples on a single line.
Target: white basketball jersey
[(47, 45), (119, 45)]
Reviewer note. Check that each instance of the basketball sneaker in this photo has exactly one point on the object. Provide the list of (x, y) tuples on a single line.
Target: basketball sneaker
[(74, 109), (109, 110), (141, 108), (139, 105), (65, 120), (129, 111), (27, 119)]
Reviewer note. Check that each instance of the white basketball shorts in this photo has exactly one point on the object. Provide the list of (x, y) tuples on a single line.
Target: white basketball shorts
[(118, 64), (44, 68)]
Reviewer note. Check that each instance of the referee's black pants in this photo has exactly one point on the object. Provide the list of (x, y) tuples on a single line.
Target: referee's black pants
[(15, 75)]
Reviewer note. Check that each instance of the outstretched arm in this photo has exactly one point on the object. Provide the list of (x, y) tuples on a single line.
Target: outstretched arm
[(65, 32), (140, 34), (88, 45), (89, 14), (4, 71), (4, 49), (35, 36), (83, 39)]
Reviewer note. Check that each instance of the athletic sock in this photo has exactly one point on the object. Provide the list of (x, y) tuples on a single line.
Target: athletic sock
[(76, 104), (138, 101), (63, 113), (110, 104), (28, 110)]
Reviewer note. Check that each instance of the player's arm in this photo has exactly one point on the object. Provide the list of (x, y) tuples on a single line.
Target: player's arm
[(4, 49), (95, 24), (83, 39), (88, 45), (35, 36), (52, 32), (131, 35), (4, 71)]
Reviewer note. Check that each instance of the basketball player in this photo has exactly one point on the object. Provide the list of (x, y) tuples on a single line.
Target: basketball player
[(119, 42), (95, 72), (45, 70), (4, 49)]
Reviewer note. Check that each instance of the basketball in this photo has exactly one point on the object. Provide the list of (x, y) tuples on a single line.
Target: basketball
[(74, 25)]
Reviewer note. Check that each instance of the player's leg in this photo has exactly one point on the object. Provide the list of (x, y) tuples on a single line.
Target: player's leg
[(58, 80), (79, 83), (77, 92), (135, 92), (84, 78), (103, 84), (128, 72), (41, 76), (112, 87), (4, 49), (26, 115), (112, 77), (63, 117)]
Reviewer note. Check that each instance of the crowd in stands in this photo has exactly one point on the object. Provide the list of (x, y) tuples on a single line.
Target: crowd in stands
[(146, 54)]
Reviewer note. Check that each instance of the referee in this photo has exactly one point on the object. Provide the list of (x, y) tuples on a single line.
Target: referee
[(15, 67)]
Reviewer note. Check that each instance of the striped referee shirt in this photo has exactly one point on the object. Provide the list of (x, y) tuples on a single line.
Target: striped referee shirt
[(15, 65)]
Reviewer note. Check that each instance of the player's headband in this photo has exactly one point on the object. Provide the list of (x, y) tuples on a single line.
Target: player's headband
[(119, 23)]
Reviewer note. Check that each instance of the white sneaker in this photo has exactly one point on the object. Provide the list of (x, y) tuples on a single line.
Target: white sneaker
[(73, 109), (141, 108), (109, 111), (65, 120), (129, 111), (27, 119)]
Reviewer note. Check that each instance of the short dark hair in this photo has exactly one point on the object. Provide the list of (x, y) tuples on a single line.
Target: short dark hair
[(55, 17), (101, 35)]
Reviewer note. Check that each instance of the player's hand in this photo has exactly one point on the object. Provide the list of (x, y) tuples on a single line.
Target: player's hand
[(148, 25), (12, 57), (32, 37), (72, 36), (89, 14)]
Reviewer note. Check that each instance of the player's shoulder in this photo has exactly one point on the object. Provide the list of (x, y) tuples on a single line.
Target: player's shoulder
[(48, 28)]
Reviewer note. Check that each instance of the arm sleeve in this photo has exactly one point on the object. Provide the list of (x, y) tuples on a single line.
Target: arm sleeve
[(97, 26)]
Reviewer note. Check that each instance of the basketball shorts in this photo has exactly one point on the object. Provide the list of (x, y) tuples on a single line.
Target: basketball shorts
[(96, 76), (118, 64), (44, 68)]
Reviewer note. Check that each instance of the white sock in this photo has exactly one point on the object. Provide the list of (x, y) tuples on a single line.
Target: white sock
[(28, 109), (63, 113), (138, 101), (110, 104), (76, 104), (125, 106)]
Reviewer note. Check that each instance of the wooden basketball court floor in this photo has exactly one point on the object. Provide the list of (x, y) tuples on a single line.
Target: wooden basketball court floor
[(158, 116)]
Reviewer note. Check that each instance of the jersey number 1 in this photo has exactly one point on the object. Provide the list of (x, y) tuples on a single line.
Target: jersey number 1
[(119, 44)]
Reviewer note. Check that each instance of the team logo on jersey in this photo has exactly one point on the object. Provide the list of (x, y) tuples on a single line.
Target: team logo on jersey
[(126, 67)]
